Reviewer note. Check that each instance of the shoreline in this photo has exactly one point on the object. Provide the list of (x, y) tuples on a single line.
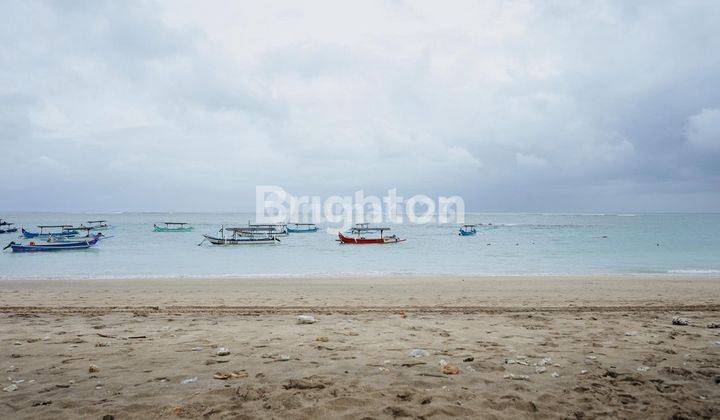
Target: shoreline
[(474, 294), (682, 274)]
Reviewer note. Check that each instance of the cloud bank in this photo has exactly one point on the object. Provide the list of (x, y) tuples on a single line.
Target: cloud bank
[(516, 106)]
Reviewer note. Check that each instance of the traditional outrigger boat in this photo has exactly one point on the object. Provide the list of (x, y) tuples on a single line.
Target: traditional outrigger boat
[(359, 238), (6, 227), (243, 236), (302, 227), (173, 227), (278, 229), (64, 231), (97, 225), (74, 238), (53, 247), (468, 230)]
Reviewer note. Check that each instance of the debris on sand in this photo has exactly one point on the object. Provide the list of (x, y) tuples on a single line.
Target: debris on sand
[(322, 339), (540, 369), (713, 325), (303, 384), (419, 353), (306, 319), (93, 369), (516, 362), (10, 388), (517, 377), (680, 321), (223, 351), (555, 375), (546, 361), (189, 381), (468, 359), (450, 369), (230, 375)]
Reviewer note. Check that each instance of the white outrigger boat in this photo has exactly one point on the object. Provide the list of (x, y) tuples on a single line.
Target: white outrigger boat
[(97, 225), (277, 229), (243, 236)]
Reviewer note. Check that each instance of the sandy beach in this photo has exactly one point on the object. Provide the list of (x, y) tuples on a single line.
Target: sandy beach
[(492, 347)]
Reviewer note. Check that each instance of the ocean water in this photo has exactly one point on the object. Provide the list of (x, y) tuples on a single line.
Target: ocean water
[(517, 244)]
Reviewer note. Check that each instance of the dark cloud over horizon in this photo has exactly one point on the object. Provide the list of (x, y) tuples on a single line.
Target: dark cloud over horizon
[(516, 106)]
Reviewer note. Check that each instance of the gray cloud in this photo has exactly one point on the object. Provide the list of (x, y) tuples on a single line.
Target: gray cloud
[(609, 106)]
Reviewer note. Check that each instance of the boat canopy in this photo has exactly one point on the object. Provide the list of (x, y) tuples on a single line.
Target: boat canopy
[(54, 226), (469, 226), (171, 223), (302, 224), (369, 229), (96, 221), (254, 228)]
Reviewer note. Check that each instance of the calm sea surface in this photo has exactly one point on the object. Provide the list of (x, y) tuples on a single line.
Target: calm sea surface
[(535, 244)]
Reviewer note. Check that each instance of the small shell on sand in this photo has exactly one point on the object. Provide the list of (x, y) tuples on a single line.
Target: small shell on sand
[(306, 319)]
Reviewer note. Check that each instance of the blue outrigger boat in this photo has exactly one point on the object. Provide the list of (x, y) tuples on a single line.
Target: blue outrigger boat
[(53, 247), (302, 228), (468, 230), (65, 231)]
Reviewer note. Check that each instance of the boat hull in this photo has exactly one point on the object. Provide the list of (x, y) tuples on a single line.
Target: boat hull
[(310, 230), (162, 229), (467, 232), (55, 247), (368, 241), (241, 241)]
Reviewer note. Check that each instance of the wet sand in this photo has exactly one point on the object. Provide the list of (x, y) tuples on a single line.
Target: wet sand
[(579, 347)]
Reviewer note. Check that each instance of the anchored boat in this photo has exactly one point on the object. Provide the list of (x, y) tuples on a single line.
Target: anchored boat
[(173, 227), (301, 228), (97, 225), (6, 227), (358, 236), (55, 231), (243, 236), (468, 230), (52, 247), (75, 238), (278, 229)]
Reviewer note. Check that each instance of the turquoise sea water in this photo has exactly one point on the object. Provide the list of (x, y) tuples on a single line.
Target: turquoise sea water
[(535, 244)]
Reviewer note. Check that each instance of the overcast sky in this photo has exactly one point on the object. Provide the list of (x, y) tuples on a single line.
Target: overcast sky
[(516, 106)]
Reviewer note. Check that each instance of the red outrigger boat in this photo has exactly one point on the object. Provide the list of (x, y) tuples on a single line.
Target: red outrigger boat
[(358, 237)]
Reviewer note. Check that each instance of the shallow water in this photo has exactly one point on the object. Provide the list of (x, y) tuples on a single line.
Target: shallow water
[(536, 244)]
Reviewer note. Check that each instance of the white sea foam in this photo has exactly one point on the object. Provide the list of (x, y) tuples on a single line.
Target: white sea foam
[(708, 271)]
